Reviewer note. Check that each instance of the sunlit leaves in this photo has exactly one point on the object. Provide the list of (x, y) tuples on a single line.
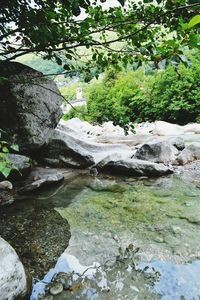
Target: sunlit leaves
[(194, 21)]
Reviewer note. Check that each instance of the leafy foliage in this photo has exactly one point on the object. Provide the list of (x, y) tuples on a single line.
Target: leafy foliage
[(147, 30), (6, 147), (171, 95)]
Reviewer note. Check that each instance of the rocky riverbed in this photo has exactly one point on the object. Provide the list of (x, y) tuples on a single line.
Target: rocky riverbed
[(103, 214), (94, 213)]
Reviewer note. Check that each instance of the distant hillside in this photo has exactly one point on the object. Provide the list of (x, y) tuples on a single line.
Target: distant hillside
[(38, 63)]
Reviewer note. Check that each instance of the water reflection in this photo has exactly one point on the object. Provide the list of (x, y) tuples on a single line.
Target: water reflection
[(125, 281), (176, 281)]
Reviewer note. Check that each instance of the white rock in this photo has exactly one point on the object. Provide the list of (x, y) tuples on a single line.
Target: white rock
[(165, 128), (192, 128), (12, 274)]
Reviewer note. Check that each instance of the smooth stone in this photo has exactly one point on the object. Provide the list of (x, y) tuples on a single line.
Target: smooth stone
[(56, 288), (176, 230), (6, 185), (134, 167), (13, 282)]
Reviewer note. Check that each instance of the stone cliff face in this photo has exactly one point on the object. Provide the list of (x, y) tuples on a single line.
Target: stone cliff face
[(29, 105)]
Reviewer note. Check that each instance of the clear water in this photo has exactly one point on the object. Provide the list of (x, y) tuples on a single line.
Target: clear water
[(160, 217)]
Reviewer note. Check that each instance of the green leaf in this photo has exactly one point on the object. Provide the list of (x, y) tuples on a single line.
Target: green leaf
[(5, 149), (15, 147), (6, 172), (194, 21)]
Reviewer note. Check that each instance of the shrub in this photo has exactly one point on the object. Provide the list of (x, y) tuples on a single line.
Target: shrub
[(171, 95)]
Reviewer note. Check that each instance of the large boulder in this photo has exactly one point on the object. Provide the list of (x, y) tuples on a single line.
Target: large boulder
[(66, 150), (133, 167), (164, 151), (29, 105), (13, 283)]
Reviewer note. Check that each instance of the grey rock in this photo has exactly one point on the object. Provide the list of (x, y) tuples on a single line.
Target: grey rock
[(13, 283), (6, 192), (66, 150), (189, 154), (6, 197), (6, 185), (134, 167), (29, 105), (106, 186), (21, 166), (177, 142), (42, 182), (161, 151), (56, 288)]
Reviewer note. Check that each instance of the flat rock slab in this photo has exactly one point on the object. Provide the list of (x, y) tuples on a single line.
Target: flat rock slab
[(134, 167), (13, 284), (41, 178), (66, 150)]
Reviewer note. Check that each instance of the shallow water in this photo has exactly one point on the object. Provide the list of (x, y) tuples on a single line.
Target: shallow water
[(161, 217)]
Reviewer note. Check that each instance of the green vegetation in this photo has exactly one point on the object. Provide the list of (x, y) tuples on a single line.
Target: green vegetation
[(6, 147), (171, 95), (38, 63), (117, 35)]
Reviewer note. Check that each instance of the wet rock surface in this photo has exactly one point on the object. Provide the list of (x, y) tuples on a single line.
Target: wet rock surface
[(41, 178), (38, 235)]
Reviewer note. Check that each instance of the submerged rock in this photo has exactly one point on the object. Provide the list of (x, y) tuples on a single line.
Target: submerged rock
[(134, 167), (39, 235), (56, 288), (106, 186), (13, 283), (29, 105), (42, 182)]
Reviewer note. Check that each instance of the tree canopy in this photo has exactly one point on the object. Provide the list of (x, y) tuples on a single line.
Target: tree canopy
[(148, 30)]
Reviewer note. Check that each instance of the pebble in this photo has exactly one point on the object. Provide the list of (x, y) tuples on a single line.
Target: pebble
[(176, 229), (56, 288), (6, 185), (159, 239)]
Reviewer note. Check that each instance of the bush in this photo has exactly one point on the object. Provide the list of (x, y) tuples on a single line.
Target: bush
[(6, 147), (77, 112), (171, 95)]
